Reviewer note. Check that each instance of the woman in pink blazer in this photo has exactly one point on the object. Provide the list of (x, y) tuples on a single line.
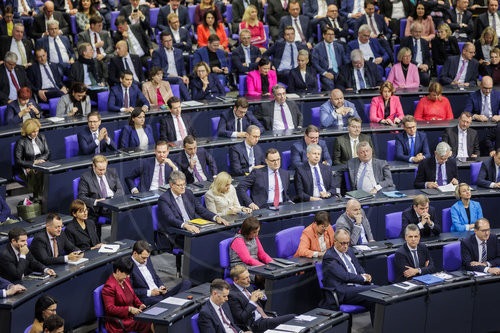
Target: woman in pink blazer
[(262, 80), (404, 74), (386, 108)]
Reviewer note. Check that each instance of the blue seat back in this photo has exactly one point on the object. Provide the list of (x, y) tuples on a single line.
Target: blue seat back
[(194, 323), (153, 16), (391, 268), (71, 145), (287, 241), (27, 329), (224, 258), (391, 150), (114, 15), (393, 225), (215, 123), (402, 28), (367, 113), (315, 116), (347, 181), (452, 259), (229, 13), (191, 11), (319, 273), (446, 218), (102, 100), (116, 137), (154, 217), (474, 172), (99, 307), (175, 90), (53, 106), (286, 159), (3, 108), (396, 51), (76, 182), (242, 85)]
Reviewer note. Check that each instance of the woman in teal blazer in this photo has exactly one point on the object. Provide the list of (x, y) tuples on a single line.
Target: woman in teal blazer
[(465, 212)]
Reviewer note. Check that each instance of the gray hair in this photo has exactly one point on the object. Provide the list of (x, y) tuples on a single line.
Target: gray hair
[(10, 57), (175, 176), (303, 53), (19, 25), (365, 27), (362, 144), (411, 227), (341, 231), (416, 24), (276, 87), (252, 128), (52, 22), (245, 31), (356, 55), (312, 147), (443, 148)]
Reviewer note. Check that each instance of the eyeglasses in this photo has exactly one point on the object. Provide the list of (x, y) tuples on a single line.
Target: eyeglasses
[(343, 243), (180, 185), (483, 230)]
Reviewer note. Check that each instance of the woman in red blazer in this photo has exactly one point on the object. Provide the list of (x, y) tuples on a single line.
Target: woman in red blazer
[(386, 108), (404, 74), (120, 300), (261, 78), (209, 27), (309, 245)]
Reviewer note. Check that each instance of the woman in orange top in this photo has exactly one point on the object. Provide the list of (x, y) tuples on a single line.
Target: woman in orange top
[(434, 106), (316, 238), (209, 27)]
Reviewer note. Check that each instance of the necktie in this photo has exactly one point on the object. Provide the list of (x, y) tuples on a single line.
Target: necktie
[(181, 128), (126, 102), (299, 30), (493, 20), (412, 147), (23, 55), (335, 66), (374, 30), (97, 49), (362, 176), (318, 180), (335, 25), (285, 123), (126, 64), (350, 267), (459, 18), (49, 75), (97, 149), (498, 175), (14, 82), (440, 175), (483, 250), (415, 258), (184, 213), (258, 308), (160, 176), (354, 150), (360, 79), (415, 50), (459, 74), (238, 121), (54, 242), (130, 44), (197, 174), (276, 190), (249, 58), (292, 61), (486, 107), (251, 158), (104, 192), (285, 5), (59, 56), (226, 321)]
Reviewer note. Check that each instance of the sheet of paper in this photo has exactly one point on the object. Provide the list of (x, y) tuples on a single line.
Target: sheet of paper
[(480, 273), (405, 285), (109, 248), (305, 318), (272, 331), (55, 119), (362, 248), (155, 311), (292, 96), (443, 275), (175, 301), (447, 188), (290, 328), (78, 262)]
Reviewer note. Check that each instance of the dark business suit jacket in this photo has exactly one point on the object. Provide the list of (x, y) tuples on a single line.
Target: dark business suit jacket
[(377, 49), (167, 128), (244, 311), (140, 285), (305, 26), (6, 41), (39, 24), (59, 5), (342, 24), (184, 37), (13, 109), (346, 79), (258, 184), (139, 34), (105, 36), (278, 48), (439, 54), (208, 164), (3, 27), (466, 19), (170, 214), (182, 13), (238, 59), (87, 144), (160, 59), (410, 217), (451, 68), (470, 252), (475, 102), (13, 270), (214, 88), (403, 257), (145, 171), (427, 171), (403, 148), (493, 135), (129, 137), (238, 158), (115, 101), (381, 171), (379, 21), (275, 12), (451, 137), (299, 153), (296, 83), (320, 57), (44, 42), (24, 156), (208, 320), (423, 49), (342, 151), (42, 249), (116, 66), (77, 73), (4, 284), (82, 239), (311, 7), (487, 173), (126, 11), (226, 123), (266, 115), (201, 54), (482, 22), (304, 186), (22, 79), (35, 76)]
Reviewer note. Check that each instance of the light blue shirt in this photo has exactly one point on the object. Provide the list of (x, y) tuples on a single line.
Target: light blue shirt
[(12, 87), (328, 116), (286, 59)]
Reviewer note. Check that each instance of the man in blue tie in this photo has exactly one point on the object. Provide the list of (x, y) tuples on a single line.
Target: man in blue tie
[(358, 74), (412, 145), (480, 251), (437, 171)]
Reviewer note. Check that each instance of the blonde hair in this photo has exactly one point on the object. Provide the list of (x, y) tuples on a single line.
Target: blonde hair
[(437, 88), (30, 126), (446, 28), (222, 179), (402, 53), (201, 64), (489, 31), (98, 159), (388, 85), (246, 16), (457, 190)]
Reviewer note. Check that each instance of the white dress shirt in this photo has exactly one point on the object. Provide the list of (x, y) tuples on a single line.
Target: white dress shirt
[(146, 274), (135, 43), (462, 143), (12, 87), (143, 137), (177, 119), (46, 81), (53, 52), (316, 192), (197, 166), (18, 49), (354, 142), (461, 79), (109, 191), (418, 55), (369, 181), (128, 60), (486, 105), (93, 35), (480, 252), (362, 70), (51, 242), (366, 49), (251, 162), (362, 235), (278, 123)]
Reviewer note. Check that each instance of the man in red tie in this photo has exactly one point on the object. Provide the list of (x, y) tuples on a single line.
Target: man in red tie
[(12, 78)]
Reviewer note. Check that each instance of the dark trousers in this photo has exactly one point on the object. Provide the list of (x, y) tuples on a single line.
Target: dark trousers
[(264, 324), (352, 296)]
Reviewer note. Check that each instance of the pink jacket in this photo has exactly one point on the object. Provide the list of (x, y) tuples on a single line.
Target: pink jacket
[(377, 109), (397, 78), (254, 84), (239, 246)]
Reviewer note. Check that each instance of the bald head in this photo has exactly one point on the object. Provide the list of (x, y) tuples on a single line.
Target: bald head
[(337, 98), (48, 6), (486, 85)]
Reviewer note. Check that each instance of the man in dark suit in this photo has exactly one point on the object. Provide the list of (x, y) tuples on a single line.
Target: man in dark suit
[(196, 163), (492, 140), (40, 27), (211, 52), (12, 78), (485, 18), (123, 60), (291, 117), (489, 173), (136, 14), (343, 273), (51, 247), (367, 173), (63, 6), (126, 96), (420, 54), (314, 180), (275, 11), (284, 53), (234, 123), (460, 21), (138, 41), (358, 74), (301, 23), (94, 139), (8, 289), (317, 10), (152, 172), (337, 22), (24, 11), (412, 145), (379, 55), (174, 7), (298, 151), (58, 47), (17, 260), (379, 29), (461, 70), (344, 147), (99, 184), (215, 315), (247, 155), (422, 215), (45, 78), (18, 44), (463, 140), (245, 57), (268, 186), (354, 220), (484, 104), (412, 258), (166, 56), (247, 304), (480, 252), (181, 37), (327, 57), (145, 281), (427, 177), (178, 205), (175, 126), (239, 7), (86, 69)]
